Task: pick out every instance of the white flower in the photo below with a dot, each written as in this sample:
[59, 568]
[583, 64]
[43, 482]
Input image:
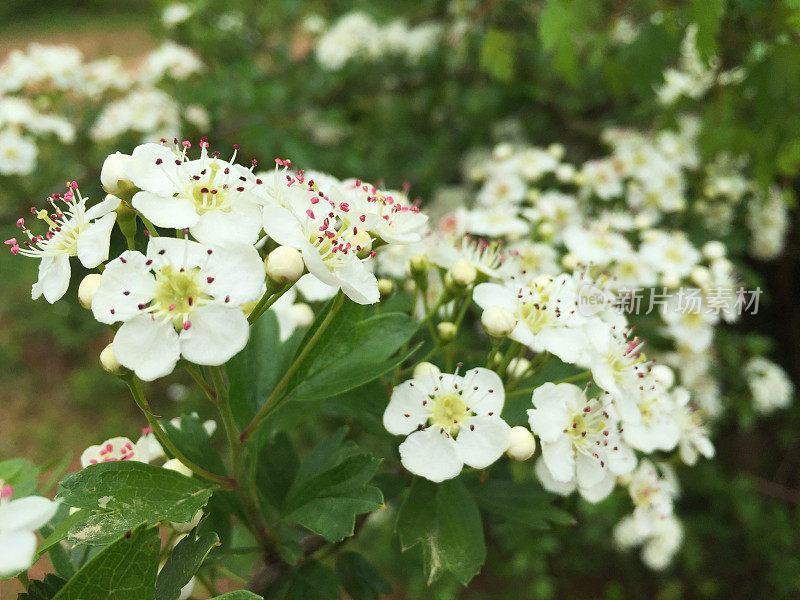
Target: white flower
[496, 221]
[175, 13]
[596, 246]
[579, 435]
[19, 519]
[211, 197]
[76, 231]
[600, 176]
[17, 154]
[657, 428]
[114, 449]
[332, 249]
[659, 546]
[169, 60]
[505, 190]
[182, 299]
[693, 432]
[669, 252]
[486, 257]
[771, 387]
[528, 260]
[593, 494]
[689, 320]
[450, 421]
[546, 314]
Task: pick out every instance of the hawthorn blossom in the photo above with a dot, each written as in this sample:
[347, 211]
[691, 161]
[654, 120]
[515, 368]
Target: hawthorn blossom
[72, 231]
[450, 421]
[19, 519]
[486, 257]
[657, 429]
[180, 300]
[114, 449]
[579, 435]
[693, 431]
[771, 387]
[211, 197]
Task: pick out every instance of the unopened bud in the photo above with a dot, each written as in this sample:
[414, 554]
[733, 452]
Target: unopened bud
[173, 464]
[385, 287]
[447, 331]
[565, 173]
[303, 315]
[518, 367]
[570, 262]
[663, 374]
[418, 264]
[498, 322]
[284, 265]
[87, 289]
[713, 250]
[113, 176]
[426, 368]
[521, 443]
[503, 151]
[546, 230]
[556, 151]
[109, 361]
[670, 280]
[701, 276]
[462, 273]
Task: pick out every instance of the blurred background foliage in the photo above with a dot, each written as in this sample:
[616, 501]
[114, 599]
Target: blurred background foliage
[509, 70]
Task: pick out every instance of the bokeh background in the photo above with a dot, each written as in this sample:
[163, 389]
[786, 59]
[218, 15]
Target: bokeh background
[557, 71]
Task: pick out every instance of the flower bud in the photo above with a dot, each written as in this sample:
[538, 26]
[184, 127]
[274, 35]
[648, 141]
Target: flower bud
[426, 368]
[87, 289]
[113, 176]
[569, 261]
[462, 273]
[701, 276]
[418, 264]
[108, 361]
[670, 280]
[284, 265]
[518, 367]
[565, 173]
[498, 322]
[173, 464]
[521, 443]
[546, 230]
[556, 151]
[385, 286]
[503, 151]
[663, 374]
[713, 250]
[447, 331]
[303, 315]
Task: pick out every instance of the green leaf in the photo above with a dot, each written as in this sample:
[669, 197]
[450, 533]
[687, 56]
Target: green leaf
[127, 494]
[44, 589]
[359, 578]
[310, 581]
[61, 530]
[707, 14]
[445, 519]
[20, 474]
[560, 24]
[238, 595]
[497, 55]
[183, 562]
[125, 570]
[526, 504]
[276, 468]
[355, 349]
[332, 487]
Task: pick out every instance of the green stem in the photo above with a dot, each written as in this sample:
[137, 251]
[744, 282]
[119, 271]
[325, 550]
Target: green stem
[150, 229]
[138, 395]
[265, 302]
[510, 354]
[275, 395]
[201, 381]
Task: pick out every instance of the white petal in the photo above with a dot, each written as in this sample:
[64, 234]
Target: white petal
[489, 397]
[53, 279]
[283, 227]
[180, 252]
[238, 273]
[128, 273]
[166, 211]
[565, 342]
[93, 242]
[147, 175]
[17, 550]
[147, 347]
[562, 488]
[26, 514]
[487, 295]
[559, 458]
[101, 209]
[358, 283]
[600, 490]
[315, 290]
[622, 460]
[405, 411]
[431, 455]
[483, 441]
[242, 224]
[550, 417]
[588, 470]
[216, 334]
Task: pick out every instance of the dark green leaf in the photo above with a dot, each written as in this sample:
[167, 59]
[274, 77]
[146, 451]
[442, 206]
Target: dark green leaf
[238, 595]
[526, 504]
[359, 578]
[127, 494]
[44, 589]
[309, 581]
[445, 519]
[497, 55]
[125, 570]
[183, 562]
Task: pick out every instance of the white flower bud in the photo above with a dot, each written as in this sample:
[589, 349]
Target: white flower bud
[87, 289]
[663, 374]
[521, 443]
[285, 265]
[418, 264]
[385, 286]
[713, 250]
[113, 176]
[569, 261]
[670, 279]
[462, 273]
[565, 173]
[701, 276]
[447, 331]
[556, 151]
[426, 368]
[518, 367]
[546, 230]
[109, 361]
[498, 322]
[303, 315]
[173, 464]
[503, 151]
